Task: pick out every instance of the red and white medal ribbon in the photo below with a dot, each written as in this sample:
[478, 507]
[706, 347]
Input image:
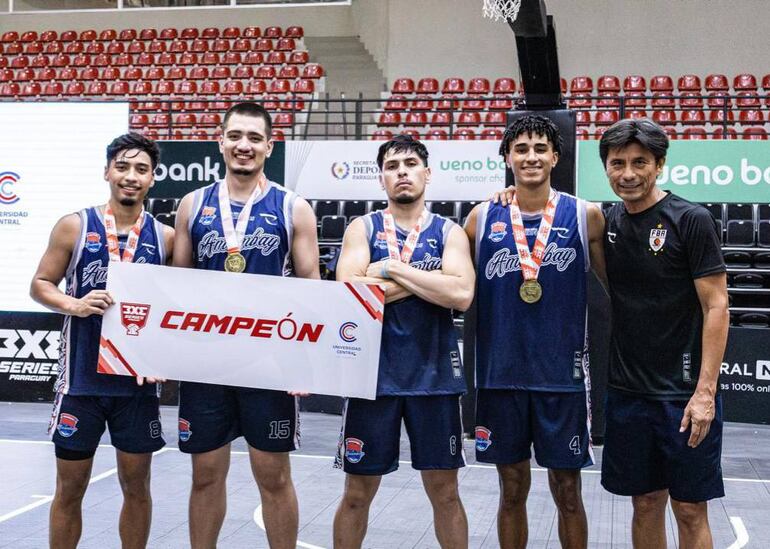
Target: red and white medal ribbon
[234, 235]
[530, 262]
[411, 240]
[111, 229]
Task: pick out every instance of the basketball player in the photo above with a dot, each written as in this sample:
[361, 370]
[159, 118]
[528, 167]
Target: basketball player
[423, 261]
[244, 223]
[80, 249]
[532, 259]
[668, 287]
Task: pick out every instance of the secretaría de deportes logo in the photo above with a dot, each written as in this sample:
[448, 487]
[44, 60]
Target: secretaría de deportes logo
[340, 170]
[356, 170]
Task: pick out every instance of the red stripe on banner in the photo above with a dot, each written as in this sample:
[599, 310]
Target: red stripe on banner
[108, 344]
[375, 314]
[378, 292]
[103, 366]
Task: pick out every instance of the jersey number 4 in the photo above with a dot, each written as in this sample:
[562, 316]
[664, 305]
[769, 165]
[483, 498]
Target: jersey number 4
[574, 445]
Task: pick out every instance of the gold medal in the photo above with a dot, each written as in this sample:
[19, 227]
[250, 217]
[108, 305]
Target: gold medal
[531, 291]
[235, 263]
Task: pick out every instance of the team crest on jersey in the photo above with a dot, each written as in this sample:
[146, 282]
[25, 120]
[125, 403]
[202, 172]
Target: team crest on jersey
[93, 242]
[208, 215]
[67, 425]
[184, 430]
[382, 241]
[657, 238]
[497, 231]
[483, 438]
[354, 450]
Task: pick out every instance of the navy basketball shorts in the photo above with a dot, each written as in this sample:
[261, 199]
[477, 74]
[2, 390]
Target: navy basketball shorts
[645, 452]
[510, 422]
[371, 433]
[133, 422]
[211, 416]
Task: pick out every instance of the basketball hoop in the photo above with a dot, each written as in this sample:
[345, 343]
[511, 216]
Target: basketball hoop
[507, 10]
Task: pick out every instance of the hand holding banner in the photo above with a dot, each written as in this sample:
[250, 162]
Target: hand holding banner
[243, 330]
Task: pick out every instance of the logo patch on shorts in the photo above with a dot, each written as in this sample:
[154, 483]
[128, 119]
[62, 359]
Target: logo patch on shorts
[184, 430]
[67, 425]
[483, 438]
[497, 231]
[354, 450]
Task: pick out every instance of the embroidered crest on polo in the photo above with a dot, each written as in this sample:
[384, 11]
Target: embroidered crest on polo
[657, 238]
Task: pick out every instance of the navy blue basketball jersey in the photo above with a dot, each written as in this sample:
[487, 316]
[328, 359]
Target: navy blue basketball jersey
[419, 354]
[267, 241]
[540, 346]
[87, 271]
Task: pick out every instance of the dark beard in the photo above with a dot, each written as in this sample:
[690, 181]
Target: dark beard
[127, 201]
[242, 171]
[405, 199]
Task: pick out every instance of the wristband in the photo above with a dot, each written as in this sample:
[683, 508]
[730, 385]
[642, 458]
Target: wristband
[384, 272]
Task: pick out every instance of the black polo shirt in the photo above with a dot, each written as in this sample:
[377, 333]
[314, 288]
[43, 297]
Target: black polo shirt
[653, 258]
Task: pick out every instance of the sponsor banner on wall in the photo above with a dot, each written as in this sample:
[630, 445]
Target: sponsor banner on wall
[347, 170]
[701, 171]
[187, 165]
[40, 183]
[245, 330]
[29, 355]
[744, 378]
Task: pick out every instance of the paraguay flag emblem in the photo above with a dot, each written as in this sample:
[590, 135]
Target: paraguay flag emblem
[483, 438]
[354, 450]
[67, 425]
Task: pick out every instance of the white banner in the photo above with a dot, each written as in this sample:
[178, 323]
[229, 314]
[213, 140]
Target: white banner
[347, 170]
[39, 184]
[244, 330]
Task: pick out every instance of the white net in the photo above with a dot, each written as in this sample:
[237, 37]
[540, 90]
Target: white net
[502, 9]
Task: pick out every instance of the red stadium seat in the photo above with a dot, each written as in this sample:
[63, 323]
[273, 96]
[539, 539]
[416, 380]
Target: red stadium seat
[265, 72]
[447, 104]
[221, 72]
[148, 34]
[606, 118]
[755, 133]
[583, 118]
[166, 59]
[382, 135]
[126, 35]
[663, 100]
[720, 116]
[465, 134]
[412, 133]
[3, 62]
[9, 36]
[150, 134]
[209, 87]
[136, 47]
[145, 59]
[283, 120]
[478, 86]
[427, 86]
[188, 58]
[661, 83]
[186, 119]
[273, 32]
[294, 32]
[187, 87]
[745, 82]
[68, 36]
[453, 85]
[500, 105]
[232, 87]
[504, 86]
[695, 133]
[139, 120]
[563, 85]
[49, 36]
[251, 32]
[72, 47]
[155, 73]
[119, 88]
[718, 99]
[717, 82]
[396, 103]
[276, 58]
[115, 47]
[220, 45]
[28, 36]
[110, 74]
[123, 60]
[68, 73]
[209, 58]
[403, 85]
[243, 72]
[422, 103]
[241, 45]
[232, 58]
[101, 60]
[691, 100]
[581, 84]
[441, 119]
[175, 73]
[278, 135]
[142, 87]
[39, 61]
[15, 48]
[580, 101]
[752, 116]
[635, 100]
[256, 87]
[198, 73]
[474, 105]
[25, 75]
[279, 86]
[88, 73]
[689, 83]
[312, 70]
[495, 118]
[286, 44]
[254, 58]
[31, 89]
[178, 46]
[608, 99]
[96, 88]
[199, 46]
[133, 73]
[210, 33]
[416, 119]
[693, 117]
[33, 48]
[231, 32]
[47, 73]
[54, 47]
[436, 134]
[766, 82]
[725, 133]
[581, 134]
[608, 83]
[20, 62]
[165, 87]
[289, 72]
[263, 44]
[107, 35]
[664, 117]
[156, 46]
[9, 89]
[88, 35]
[747, 99]
[161, 120]
[491, 134]
[189, 33]
[210, 119]
[168, 33]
